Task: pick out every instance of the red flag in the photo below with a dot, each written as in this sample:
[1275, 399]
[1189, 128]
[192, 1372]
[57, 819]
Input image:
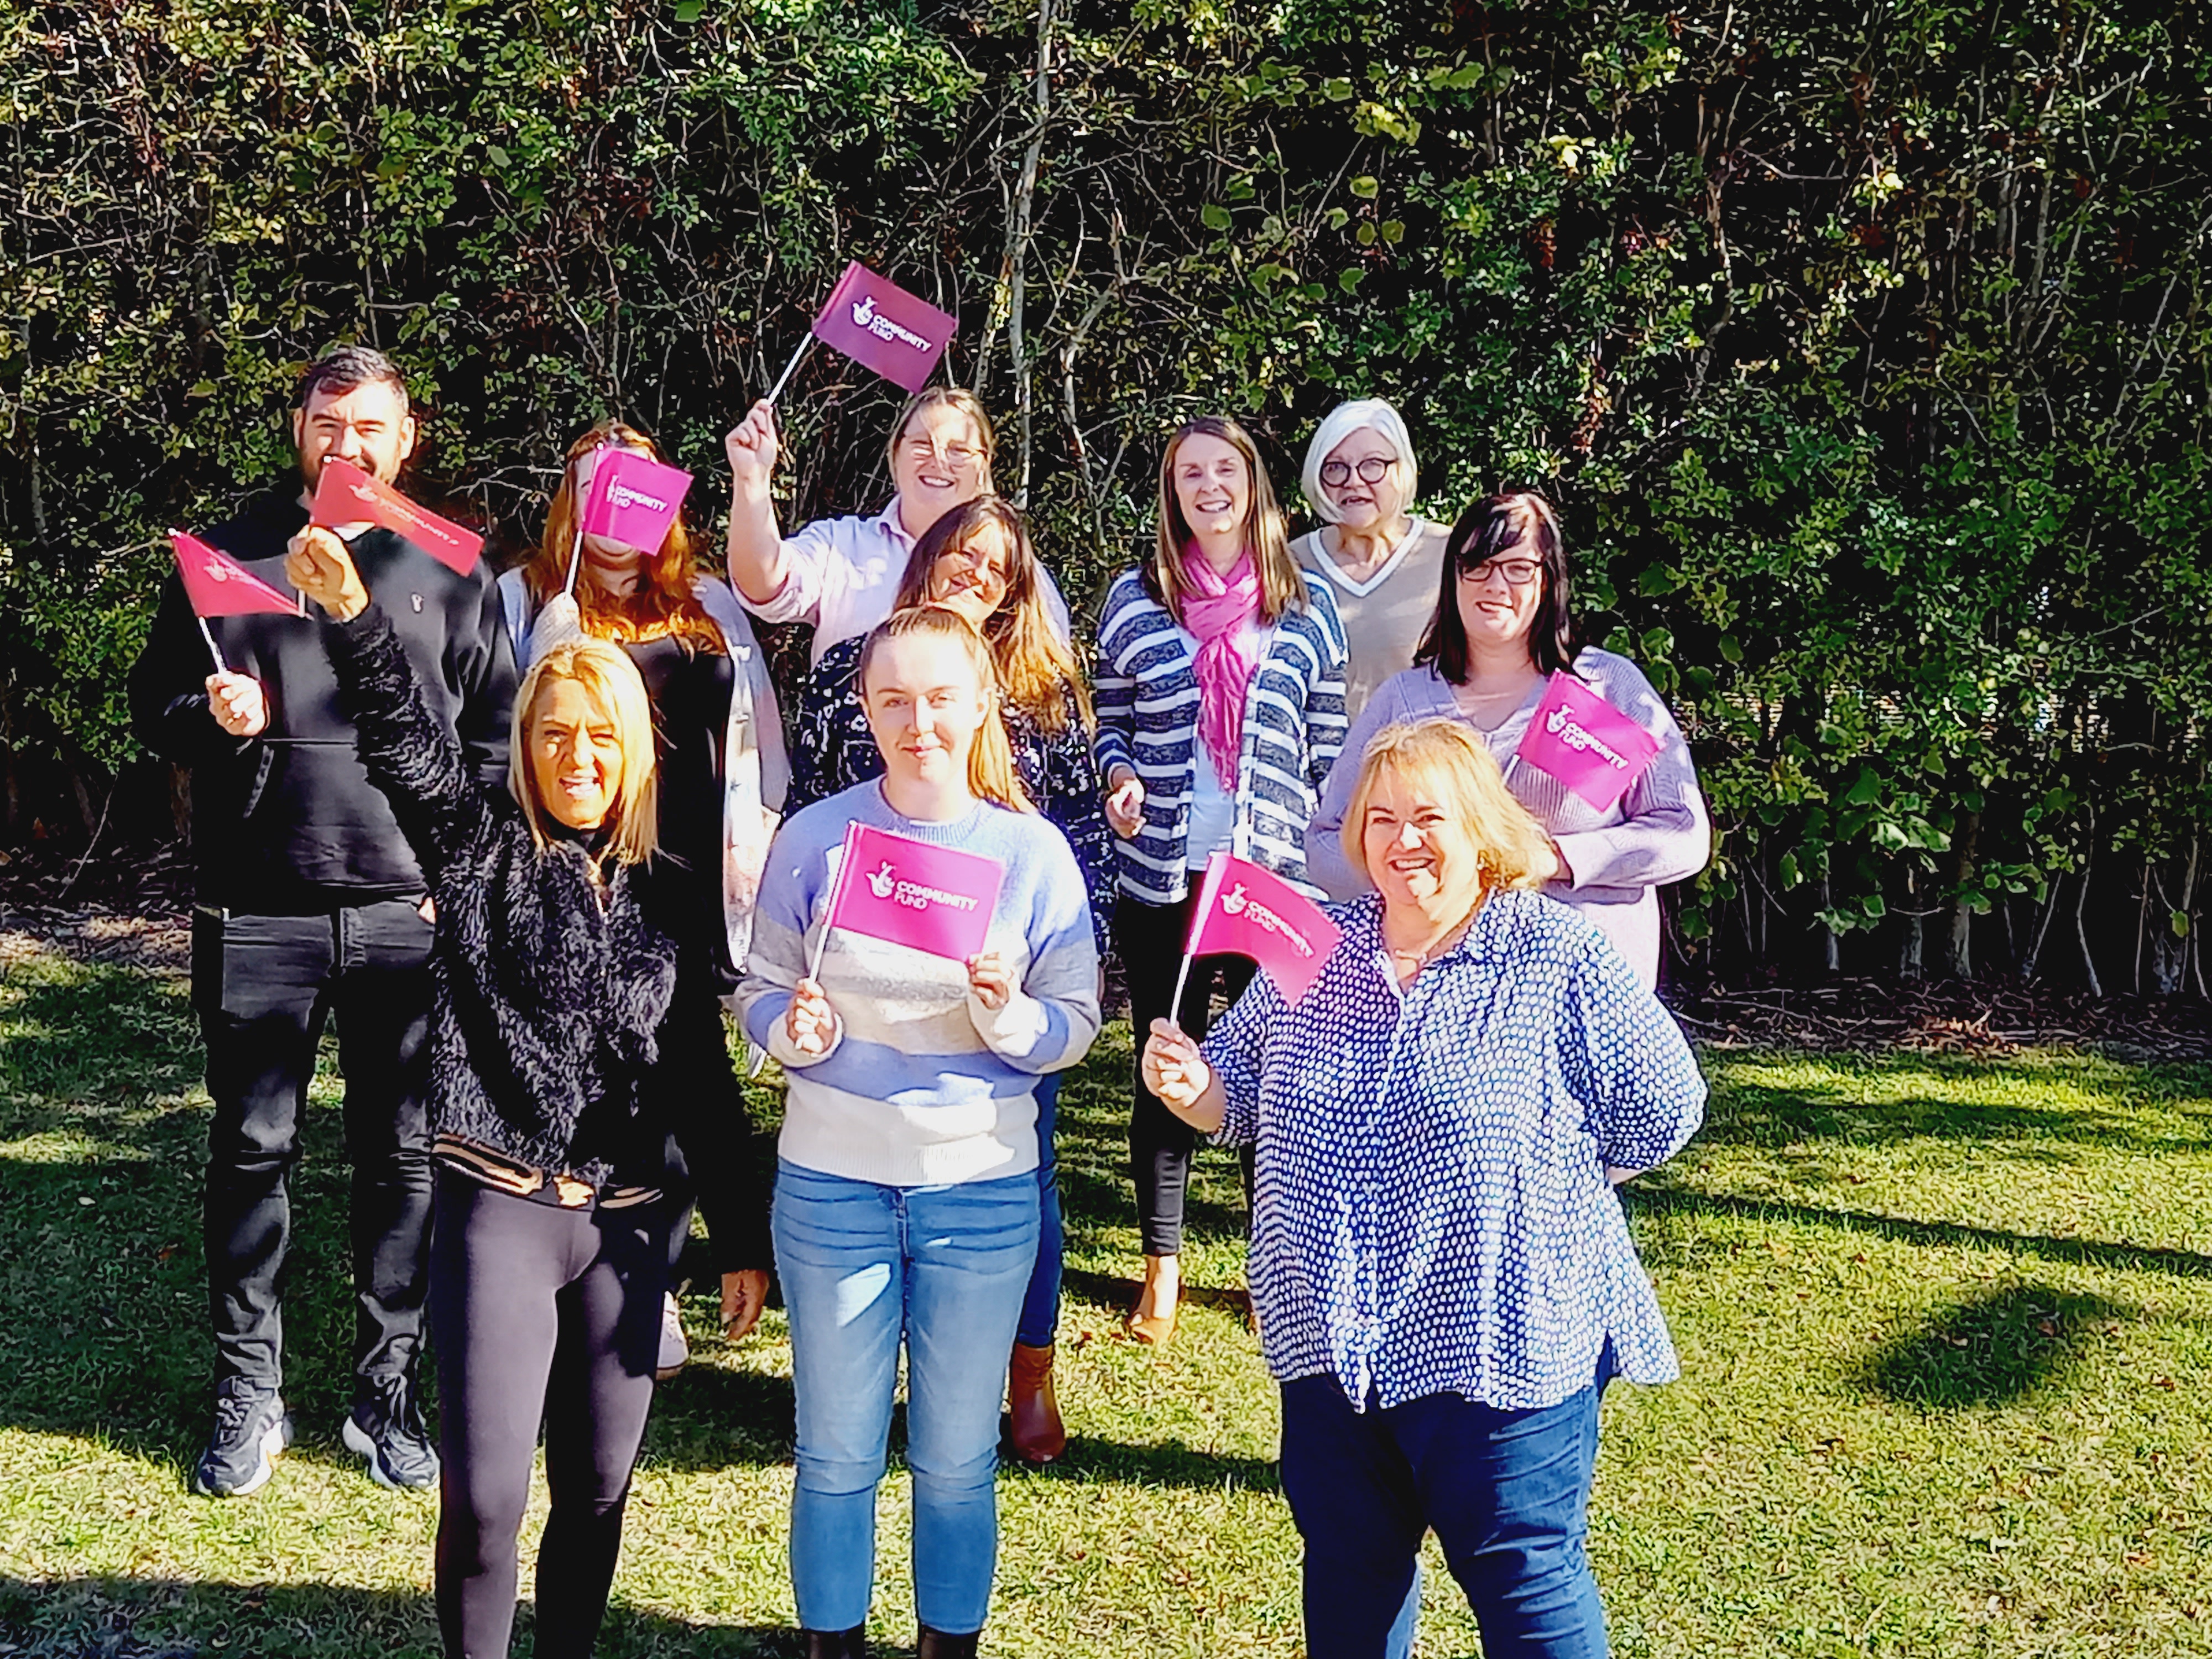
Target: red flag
[1585, 742]
[1262, 916]
[218, 586]
[346, 495]
[914, 892]
[633, 499]
[879, 325]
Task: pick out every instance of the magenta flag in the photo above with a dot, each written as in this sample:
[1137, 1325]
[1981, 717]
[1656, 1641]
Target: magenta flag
[218, 586]
[633, 499]
[1262, 916]
[912, 892]
[1585, 742]
[879, 325]
[346, 495]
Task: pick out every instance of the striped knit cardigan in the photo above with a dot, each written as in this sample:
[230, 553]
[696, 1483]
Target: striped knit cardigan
[1146, 695]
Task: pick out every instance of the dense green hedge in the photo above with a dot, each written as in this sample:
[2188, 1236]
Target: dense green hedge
[1866, 349]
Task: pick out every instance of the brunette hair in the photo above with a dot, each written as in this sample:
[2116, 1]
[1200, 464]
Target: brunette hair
[342, 368]
[664, 603]
[1493, 527]
[1036, 667]
[991, 774]
[1451, 757]
[943, 397]
[610, 680]
[1281, 584]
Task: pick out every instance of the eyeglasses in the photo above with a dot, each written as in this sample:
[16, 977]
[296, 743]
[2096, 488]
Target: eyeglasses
[1335, 474]
[955, 455]
[1518, 573]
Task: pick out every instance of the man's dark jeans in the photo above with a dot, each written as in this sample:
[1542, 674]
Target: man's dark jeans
[263, 986]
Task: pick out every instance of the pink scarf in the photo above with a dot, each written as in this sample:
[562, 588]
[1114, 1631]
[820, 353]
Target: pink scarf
[1215, 614]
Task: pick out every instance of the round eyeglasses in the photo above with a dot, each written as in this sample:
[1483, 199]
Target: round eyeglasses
[1335, 474]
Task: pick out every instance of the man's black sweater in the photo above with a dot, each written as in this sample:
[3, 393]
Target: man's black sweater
[288, 822]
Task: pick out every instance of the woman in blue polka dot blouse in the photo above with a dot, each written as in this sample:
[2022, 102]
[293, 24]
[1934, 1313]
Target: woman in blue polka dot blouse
[1444, 1278]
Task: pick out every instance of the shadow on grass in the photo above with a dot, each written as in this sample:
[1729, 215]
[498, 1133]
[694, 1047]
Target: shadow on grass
[1747, 1111]
[1991, 1349]
[1654, 1200]
[169, 1619]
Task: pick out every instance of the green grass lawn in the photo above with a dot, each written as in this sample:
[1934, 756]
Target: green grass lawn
[1945, 1328]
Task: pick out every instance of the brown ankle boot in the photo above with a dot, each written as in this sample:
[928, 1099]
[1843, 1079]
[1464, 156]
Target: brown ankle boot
[1033, 1406]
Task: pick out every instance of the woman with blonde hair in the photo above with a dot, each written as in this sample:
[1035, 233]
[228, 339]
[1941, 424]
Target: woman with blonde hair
[1502, 626]
[907, 1201]
[1220, 693]
[722, 771]
[560, 1137]
[1446, 1280]
[976, 560]
[841, 575]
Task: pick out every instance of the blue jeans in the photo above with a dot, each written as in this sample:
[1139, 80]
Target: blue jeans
[1040, 1307]
[1507, 1494]
[862, 1266]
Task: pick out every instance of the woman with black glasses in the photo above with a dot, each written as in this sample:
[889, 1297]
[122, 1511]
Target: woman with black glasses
[1377, 559]
[1503, 627]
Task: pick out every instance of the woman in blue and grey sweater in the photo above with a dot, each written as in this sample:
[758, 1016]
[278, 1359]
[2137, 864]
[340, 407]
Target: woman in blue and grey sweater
[1220, 701]
[906, 1201]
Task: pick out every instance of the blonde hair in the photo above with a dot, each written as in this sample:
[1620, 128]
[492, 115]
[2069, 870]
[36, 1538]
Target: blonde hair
[664, 603]
[991, 774]
[1449, 756]
[1036, 666]
[1281, 584]
[943, 397]
[610, 680]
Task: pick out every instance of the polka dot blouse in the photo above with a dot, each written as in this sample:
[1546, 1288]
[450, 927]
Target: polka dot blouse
[1432, 1215]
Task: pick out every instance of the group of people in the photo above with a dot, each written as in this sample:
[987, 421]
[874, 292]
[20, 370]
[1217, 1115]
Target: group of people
[527, 839]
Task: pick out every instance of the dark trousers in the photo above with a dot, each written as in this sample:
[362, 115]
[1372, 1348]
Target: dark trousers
[1149, 938]
[264, 985]
[538, 1313]
[1507, 1494]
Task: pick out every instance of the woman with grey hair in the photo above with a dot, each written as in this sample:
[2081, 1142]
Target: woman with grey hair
[1379, 562]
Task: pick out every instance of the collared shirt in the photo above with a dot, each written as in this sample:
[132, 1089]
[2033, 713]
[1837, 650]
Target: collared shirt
[1432, 1213]
[843, 575]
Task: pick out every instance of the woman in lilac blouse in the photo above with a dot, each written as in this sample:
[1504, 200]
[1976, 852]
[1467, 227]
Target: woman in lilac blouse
[1502, 626]
[1445, 1279]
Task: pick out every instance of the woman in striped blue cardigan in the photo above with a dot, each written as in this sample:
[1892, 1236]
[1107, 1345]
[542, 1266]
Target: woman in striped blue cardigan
[1220, 705]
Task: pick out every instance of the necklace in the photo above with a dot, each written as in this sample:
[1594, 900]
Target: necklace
[1444, 942]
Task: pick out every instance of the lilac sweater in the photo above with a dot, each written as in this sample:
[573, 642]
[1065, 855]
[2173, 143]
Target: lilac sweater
[1656, 833]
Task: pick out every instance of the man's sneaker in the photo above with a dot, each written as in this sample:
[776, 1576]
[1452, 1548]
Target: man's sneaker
[386, 1429]
[252, 1428]
[675, 1350]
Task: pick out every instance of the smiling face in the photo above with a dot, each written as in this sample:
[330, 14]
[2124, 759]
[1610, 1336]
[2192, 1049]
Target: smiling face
[925, 702]
[1361, 504]
[971, 579]
[1418, 853]
[938, 463]
[575, 755]
[368, 425]
[1212, 485]
[1499, 599]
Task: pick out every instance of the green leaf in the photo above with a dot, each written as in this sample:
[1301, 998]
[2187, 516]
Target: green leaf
[1214, 216]
[1364, 186]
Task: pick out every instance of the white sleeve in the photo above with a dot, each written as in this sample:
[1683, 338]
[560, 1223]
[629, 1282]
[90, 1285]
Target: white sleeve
[810, 562]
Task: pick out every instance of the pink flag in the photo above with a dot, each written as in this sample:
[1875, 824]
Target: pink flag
[879, 325]
[218, 586]
[1585, 742]
[1263, 917]
[633, 499]
[912, 892]
[346, 495]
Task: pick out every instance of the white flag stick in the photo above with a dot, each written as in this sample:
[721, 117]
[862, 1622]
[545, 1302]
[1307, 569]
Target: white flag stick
[1182, 978]
[575, 557]
[836, 893]
[213, 650]
[790, 367]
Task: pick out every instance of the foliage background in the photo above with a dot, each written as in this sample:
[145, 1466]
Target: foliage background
[1864, 346]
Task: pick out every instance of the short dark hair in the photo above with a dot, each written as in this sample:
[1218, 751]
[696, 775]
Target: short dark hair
[344, 368]
[1485, 531]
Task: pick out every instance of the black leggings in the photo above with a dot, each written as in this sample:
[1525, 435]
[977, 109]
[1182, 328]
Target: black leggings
[538, 1312]
[1149, 938]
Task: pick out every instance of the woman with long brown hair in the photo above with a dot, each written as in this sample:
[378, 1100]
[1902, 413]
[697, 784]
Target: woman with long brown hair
[1237, 663]
[722, 770]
